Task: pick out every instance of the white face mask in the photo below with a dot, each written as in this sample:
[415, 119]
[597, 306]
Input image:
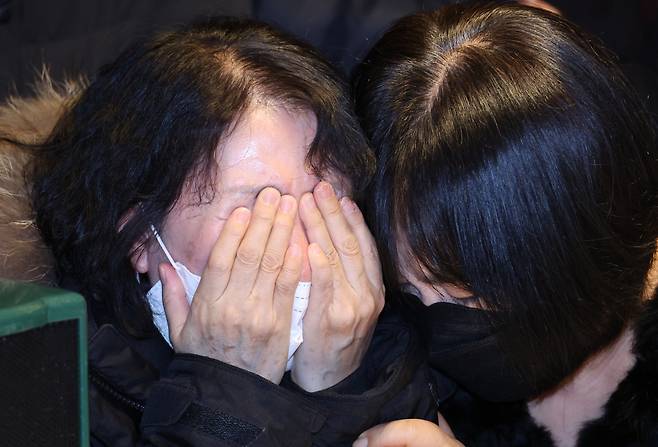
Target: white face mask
[191, 283]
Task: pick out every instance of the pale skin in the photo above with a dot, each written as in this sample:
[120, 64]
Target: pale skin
[271, 224]
[409, 433]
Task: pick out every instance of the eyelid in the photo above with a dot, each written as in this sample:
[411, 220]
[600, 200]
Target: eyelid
[445, 297]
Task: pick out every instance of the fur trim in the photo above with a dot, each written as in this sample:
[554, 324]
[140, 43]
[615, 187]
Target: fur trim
[652, 278]
[631, 414]
[23, 256]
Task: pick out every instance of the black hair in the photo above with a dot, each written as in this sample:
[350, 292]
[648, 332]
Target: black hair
[148, 126]
[515, 161]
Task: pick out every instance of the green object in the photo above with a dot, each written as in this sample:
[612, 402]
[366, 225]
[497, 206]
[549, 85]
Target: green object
[25, 306]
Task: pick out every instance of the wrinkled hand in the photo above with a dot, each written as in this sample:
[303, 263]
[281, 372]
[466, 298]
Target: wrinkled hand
[408, 433]
[347, 292]
[241, 311]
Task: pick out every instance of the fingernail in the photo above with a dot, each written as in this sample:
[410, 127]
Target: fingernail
[287, 203]
[325, 190]
[348, 205]
[241, 214]
[307, 200]
[361, 442]
[269, 195]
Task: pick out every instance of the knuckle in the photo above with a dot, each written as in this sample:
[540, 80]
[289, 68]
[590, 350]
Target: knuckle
[322, 281]
[283, 221]
[263, 217]
[333, 209]
[234, 229]
[314, 218]
[230, 314]
[284, 286]
[379, 304]
[259, 332]
[218, 266]
[271, 262]
[261, 326]
[248, 256]
[368, 308]
[357, 217]
[345, 320]
[332, 256]
[350, 246]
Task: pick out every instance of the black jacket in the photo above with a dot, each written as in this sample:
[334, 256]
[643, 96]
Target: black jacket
[630, 418]
[141, 393]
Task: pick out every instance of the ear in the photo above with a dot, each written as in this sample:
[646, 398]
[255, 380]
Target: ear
[139, 255]
[139, 251]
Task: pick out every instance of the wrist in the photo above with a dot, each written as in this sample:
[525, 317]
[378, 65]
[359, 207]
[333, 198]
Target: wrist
[312, 381]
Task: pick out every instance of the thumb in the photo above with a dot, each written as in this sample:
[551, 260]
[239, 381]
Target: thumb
[406, 433]
[174, 300]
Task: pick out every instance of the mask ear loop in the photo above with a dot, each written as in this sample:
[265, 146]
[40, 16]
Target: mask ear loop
[171, 261]
[166, 252]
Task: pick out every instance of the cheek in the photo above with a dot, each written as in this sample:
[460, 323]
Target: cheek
[190, 235]
[198, 248]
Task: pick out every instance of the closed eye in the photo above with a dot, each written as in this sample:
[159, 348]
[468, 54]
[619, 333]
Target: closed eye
[438, 294]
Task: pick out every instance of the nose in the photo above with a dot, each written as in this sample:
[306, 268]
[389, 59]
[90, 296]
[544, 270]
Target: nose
[299, 237]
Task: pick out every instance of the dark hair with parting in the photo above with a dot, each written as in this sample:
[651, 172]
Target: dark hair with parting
[514, 161]
[148, 126]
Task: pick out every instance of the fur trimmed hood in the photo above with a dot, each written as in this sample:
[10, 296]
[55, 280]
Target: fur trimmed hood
[28, 120]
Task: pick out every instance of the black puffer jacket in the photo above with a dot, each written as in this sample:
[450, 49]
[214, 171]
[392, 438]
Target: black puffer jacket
[141, 393]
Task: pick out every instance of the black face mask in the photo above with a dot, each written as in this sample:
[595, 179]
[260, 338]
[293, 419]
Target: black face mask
[462, 344]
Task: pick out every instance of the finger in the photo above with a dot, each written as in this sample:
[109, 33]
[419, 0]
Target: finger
[322, 281]
[286, 284]
[251, 249]
[371, 262]
[342, 236]
[277, 244]
[316, 232]
[174, 301]
[406, 433]
[217, 273]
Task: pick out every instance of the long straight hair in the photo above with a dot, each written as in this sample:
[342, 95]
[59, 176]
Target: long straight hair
[515, 161]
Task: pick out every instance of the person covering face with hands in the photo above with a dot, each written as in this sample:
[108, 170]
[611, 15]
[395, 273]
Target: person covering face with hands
[254, 244]
[218, 163]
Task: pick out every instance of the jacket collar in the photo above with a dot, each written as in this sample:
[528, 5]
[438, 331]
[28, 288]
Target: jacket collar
[128, 363]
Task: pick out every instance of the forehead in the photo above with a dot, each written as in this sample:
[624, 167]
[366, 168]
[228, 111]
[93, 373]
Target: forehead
[267, 143]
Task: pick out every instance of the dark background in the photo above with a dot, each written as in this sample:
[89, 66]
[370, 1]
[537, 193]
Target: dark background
[74, 37]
